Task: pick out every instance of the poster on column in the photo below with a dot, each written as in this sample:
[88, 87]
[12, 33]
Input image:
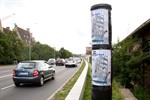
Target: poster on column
[101, 67]
[100, 28]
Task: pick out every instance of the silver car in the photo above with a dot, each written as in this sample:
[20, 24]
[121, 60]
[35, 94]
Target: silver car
[71, 63]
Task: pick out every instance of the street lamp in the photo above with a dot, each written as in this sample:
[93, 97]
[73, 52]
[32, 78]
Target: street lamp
[29, 46]
[54, 51]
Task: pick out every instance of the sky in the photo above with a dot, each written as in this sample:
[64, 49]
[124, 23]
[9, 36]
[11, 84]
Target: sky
[67, 23]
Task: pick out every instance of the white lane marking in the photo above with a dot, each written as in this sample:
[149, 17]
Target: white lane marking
[5, 76]
[7, 87]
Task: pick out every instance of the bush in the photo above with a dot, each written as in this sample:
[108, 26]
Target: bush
[140, 93]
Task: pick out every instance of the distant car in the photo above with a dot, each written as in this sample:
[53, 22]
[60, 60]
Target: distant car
[71, 63]
[51, 61]
[34, 71]
[79, 60]
[60, 62]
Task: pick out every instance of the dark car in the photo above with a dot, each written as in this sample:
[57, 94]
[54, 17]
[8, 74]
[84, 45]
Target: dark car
[60, 62]
[34, 71]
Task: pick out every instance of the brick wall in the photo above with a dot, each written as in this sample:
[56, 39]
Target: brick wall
[147, 77]
[147, 69]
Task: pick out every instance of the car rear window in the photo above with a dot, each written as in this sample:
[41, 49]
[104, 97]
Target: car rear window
[26, 65]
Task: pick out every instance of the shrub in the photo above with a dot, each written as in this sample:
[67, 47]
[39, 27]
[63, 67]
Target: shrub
[140, 93]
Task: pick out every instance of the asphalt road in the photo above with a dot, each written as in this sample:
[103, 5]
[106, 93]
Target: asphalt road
[8, 91]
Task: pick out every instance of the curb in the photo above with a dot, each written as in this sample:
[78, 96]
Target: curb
[76, 93]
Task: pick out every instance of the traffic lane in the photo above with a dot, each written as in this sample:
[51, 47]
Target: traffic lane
[6, 81]
[6, 75]
[6, 78]
[6, 70]
[33, 92]
[7, 67]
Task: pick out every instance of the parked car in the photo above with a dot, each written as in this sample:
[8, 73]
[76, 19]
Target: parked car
[33, 71]
[51, 61]
[60, 62]
[71, 63]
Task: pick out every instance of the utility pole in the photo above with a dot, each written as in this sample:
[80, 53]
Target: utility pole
[54, 52]
[30, 42]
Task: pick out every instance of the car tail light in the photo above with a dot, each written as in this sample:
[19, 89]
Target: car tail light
[14, 72]
[36, 73]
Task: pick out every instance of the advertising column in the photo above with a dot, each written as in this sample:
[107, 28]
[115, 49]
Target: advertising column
[101, 52]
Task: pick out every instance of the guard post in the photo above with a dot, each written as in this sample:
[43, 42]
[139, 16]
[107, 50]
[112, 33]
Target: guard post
[101, 52]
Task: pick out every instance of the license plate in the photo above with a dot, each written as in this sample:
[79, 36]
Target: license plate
[23, 73]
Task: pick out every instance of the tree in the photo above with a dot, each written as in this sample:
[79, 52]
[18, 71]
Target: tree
[128, 58]
[64, 53]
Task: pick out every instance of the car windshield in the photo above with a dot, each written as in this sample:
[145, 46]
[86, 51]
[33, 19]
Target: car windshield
[70, 60]
[26, 65]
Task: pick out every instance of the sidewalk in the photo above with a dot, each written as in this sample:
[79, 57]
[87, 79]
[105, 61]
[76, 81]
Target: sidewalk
[127, 94]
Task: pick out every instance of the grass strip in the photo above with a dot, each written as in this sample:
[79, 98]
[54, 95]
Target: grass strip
[116, 93]
[63, 92]
[87, 92]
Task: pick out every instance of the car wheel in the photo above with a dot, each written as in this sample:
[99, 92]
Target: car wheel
[41, 81]
[17, 84]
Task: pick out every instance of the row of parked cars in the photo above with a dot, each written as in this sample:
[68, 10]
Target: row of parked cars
[70, 62]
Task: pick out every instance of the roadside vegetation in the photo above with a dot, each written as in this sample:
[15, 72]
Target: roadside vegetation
[128, 60]
[62, 94]
[116, 94]
[88, 87]
[12, 47]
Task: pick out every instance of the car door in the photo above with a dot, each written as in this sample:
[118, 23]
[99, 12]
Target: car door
[48, 70]
[43, 69]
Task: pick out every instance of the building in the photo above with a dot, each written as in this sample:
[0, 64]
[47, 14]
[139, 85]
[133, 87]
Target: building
[6, 30]
[143, 32]
[88, 50]
[25, 35]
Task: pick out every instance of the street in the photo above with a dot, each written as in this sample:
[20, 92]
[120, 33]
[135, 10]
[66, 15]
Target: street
[8, 91]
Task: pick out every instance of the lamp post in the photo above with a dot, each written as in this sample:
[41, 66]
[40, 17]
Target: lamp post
[54, 51]
[29, 46]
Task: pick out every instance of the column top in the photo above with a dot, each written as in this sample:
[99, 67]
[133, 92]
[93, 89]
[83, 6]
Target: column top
[103, 5]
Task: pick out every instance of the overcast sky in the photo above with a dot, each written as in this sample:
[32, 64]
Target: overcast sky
[67, 23]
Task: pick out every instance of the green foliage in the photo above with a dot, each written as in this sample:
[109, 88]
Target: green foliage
[64, 53]
[128, 57]
[88, 87]
[116, 93]
[140, 93]
[12, 47]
